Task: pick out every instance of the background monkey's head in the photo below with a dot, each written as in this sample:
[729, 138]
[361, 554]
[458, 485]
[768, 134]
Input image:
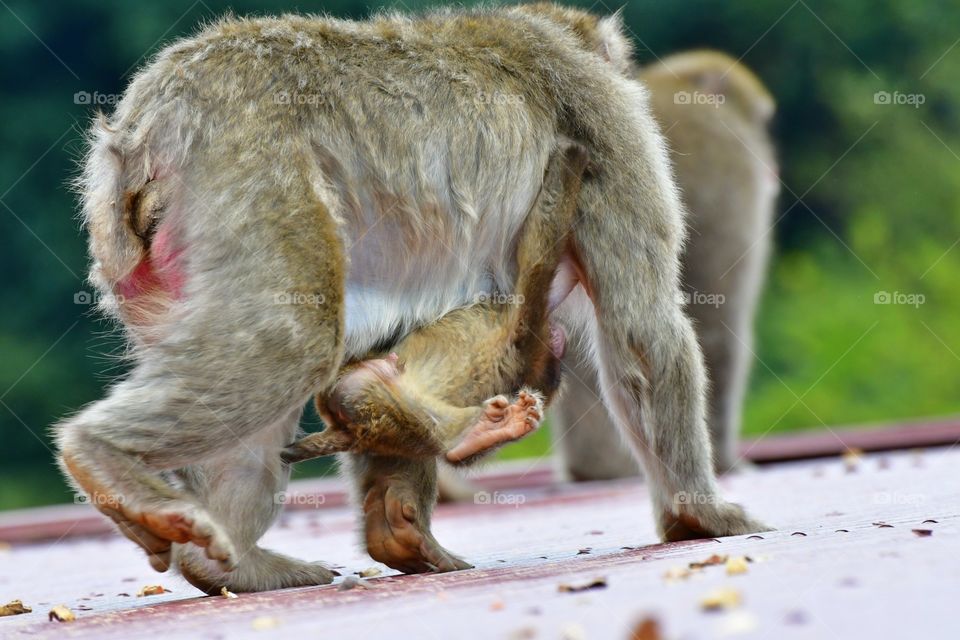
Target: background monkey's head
[603, 35]
[714, 73]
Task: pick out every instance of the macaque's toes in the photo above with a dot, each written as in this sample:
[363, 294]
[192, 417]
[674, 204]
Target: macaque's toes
[499, 425]
[182, 523]
[708, 521]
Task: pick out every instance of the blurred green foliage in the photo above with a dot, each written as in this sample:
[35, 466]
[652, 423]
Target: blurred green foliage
[870, 203]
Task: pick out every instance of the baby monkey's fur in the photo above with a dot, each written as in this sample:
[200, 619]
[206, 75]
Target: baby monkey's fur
[448, 378]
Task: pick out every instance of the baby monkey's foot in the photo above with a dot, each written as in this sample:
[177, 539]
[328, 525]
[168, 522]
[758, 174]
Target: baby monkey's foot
[501, 422]
[397, 533]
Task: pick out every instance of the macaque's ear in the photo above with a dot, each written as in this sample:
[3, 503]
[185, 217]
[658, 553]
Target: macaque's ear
[614, 45]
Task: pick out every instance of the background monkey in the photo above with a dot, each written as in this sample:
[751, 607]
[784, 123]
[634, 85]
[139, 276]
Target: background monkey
[297, 233]
[715, 114]
[419, 400]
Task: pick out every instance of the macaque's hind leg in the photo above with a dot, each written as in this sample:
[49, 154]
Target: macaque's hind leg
[224, 368]
[501, 422]
[651, 369]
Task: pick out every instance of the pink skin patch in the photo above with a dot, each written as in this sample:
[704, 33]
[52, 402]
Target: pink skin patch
[558, 340]
[158, 272]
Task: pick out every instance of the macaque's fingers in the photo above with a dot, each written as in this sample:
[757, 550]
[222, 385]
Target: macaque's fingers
[324, 443]
[498, 425]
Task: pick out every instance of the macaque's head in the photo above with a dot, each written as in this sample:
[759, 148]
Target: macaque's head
[602, 35]
[712, 73]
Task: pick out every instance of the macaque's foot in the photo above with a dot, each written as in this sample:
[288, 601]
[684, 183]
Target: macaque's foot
[258, 569]
[153, 515]
[714, 520]
[397, 535]
[500, 422]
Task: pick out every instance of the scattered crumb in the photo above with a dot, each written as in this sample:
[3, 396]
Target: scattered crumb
[523, 633]
[573, 631]
[737, 623]
[796, 617]
[722, 598]
[851, 459]
[264, 623]
[152, 590]
[369, 572]
[799, 533]
[353, 582]
[497, 605]
[842, 531]
[883, 525]
[677, 573]
[125, 595]
[646, 629]
[736, 565]
[754, 537]
[61, 613]
[584, 551]
[709, 562]
[128, 580]
[596, 532]
[534, 611]
[929, 522]
[596, 583]
[923, 533]
[226, 593]
[14, 608]
[5, 546]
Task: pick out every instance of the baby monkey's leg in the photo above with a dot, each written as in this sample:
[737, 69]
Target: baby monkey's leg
[379, 407]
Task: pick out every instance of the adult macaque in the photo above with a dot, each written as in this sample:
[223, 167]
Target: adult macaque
[715, 114]
[324, 187]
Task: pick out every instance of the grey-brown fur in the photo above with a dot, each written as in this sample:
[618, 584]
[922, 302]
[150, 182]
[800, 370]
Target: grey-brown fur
[310, 230]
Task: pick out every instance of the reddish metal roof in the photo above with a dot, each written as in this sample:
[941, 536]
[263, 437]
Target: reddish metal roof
[834, 569]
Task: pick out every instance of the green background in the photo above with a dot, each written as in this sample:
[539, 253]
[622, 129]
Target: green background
[869, 204]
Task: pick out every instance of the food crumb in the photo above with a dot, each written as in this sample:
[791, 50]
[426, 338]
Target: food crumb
[61, 613]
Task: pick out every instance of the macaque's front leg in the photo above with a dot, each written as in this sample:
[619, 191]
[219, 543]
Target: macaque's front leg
[398, 496]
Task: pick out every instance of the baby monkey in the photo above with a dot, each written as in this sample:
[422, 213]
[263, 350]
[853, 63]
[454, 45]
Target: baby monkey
[440, 390]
